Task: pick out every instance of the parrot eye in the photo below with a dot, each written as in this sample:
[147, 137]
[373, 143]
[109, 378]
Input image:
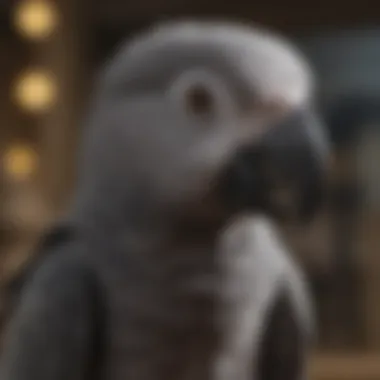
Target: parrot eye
[202, 95]
[199, 101]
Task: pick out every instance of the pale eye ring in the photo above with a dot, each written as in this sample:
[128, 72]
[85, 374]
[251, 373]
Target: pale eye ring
[202, 95]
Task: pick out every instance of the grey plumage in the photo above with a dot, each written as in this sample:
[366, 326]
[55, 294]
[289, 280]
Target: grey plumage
[183, 138]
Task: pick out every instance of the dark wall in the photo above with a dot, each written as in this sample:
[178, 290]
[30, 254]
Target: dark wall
[114, 20]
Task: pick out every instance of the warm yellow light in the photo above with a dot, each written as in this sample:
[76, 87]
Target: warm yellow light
[35, 91]
[20, 162]
[36, 19]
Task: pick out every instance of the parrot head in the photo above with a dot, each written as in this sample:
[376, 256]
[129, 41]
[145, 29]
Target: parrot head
[194, 117]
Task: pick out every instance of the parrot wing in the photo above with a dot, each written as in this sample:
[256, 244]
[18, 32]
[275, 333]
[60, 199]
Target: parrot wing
[59, 315]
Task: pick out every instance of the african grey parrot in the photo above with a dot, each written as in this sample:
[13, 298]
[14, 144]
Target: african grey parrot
[168, 264]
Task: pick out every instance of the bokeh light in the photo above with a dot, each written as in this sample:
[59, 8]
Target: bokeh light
[35, 91]
[36, 19]
[20, 162]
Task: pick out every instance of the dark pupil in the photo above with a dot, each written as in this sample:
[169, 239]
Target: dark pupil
[199, 101]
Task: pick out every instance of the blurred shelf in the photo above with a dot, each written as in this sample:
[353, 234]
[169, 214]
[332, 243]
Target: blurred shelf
[345, 366]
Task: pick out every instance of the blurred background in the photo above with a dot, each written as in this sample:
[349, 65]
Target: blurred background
[49, 54]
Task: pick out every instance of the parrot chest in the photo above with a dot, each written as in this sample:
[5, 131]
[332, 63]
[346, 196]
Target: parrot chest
[161, 319]
[197, 318]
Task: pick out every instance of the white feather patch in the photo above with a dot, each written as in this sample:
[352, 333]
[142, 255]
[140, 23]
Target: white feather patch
[254, 264]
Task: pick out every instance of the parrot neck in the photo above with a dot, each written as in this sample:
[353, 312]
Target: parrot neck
[116, 214]
[105, 215]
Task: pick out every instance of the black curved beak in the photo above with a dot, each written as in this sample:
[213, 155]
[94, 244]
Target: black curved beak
[285, 174]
